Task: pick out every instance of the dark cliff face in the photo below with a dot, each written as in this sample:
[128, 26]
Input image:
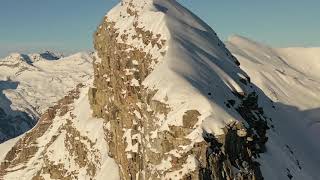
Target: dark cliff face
[233, 156]
[10, 125]
[12, 122]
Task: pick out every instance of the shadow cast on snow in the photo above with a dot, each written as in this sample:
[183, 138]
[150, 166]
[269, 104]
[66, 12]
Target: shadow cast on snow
[291, 127]
[12, 122]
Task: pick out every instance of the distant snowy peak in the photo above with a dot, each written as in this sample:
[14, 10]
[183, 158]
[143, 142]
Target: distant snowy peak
[238, 39]
[16, 58]
[250, 47]
[31, 58]
[47, 55]
[290, 58]
[26, 62]
[18, 63]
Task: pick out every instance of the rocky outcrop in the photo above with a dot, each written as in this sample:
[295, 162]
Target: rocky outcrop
[233, 155]
[126, 105]
[26, 148]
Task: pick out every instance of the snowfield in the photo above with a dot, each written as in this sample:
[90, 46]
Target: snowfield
[290, 78]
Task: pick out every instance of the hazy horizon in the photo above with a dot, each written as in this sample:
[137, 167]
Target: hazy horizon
[67, 26]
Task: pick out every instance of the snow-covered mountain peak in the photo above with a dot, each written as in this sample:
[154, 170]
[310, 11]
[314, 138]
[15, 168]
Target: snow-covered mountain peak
[14, 56]
[17, 57]
[29, 59]
[234, 38]
[251, 47]
[192, 83]
[47, 55]
[168, 101]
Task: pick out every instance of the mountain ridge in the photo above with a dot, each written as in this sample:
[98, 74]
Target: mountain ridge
[189, 117]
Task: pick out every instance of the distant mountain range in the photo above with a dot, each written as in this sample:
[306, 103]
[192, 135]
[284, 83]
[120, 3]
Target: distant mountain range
[30, 84]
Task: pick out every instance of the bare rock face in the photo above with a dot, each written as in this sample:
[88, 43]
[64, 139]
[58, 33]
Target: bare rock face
[132, 116]
[239, 147]
[124, 103]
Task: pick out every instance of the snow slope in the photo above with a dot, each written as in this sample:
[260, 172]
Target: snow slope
[71, 146]
[290, 77]
[195, 59]
[305, 60]
[29, 84]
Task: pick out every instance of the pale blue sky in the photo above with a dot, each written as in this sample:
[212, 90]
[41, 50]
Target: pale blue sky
[67, 25]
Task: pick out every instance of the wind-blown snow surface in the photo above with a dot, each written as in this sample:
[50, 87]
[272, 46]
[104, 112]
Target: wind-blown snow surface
[290, 77]
[196, 63]
[197, 69]
[29, 84]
